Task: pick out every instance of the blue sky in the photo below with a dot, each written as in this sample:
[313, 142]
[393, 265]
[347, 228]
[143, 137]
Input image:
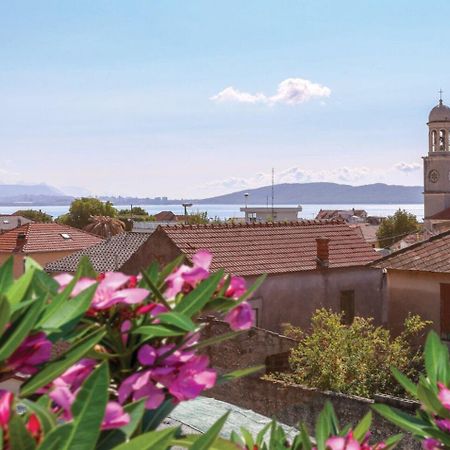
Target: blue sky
[118, 97]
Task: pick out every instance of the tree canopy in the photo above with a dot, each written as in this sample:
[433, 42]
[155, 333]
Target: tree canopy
[35, 215]
[82, 209]
[394, 228]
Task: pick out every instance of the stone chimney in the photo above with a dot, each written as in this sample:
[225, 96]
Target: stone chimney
[21, 240]
[323, 253]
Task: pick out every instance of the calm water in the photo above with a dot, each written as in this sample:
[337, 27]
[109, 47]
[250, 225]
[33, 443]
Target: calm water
[227, 211]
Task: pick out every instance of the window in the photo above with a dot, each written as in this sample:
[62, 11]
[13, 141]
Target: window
[442, 140]
[65, 235]
[6, 222]
[433, 140]
[348, 306]
[445, 311]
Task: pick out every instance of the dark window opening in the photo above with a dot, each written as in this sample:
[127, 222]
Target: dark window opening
[348, 306]
[445, 311]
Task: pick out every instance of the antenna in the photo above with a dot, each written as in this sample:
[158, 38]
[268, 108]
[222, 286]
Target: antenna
[273, 192]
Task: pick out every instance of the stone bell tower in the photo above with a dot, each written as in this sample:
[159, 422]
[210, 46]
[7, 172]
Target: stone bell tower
[436, 166]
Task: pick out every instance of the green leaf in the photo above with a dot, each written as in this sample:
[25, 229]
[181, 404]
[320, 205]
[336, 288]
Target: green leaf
[30, 263]
[21, 329]
[405, 421]
[248, 438]
[322, 429]
[153, 440]
[194, 302]
[55, 368]
[261, 434]
[218, 444]
[177, 320]
[85, 268]
[154, 417]
[152, 331]
[429, 399]
[363, 427]
[435, 356]
[19, 288]
[57, 437]
[239, 374]
[156, 292]
[404, 381]
[45, 417]
[6, 274]
[205, 441]
[19, 436]
[5, 312]
[392, 441]
[167, 270]
[332, 419]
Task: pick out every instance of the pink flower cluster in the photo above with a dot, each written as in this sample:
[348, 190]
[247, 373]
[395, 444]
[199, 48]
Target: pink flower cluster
[113, 288]
[348, 442]
[180, 372]
[64, 389]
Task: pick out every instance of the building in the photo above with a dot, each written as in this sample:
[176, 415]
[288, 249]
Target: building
[256, 214]
[11, 221]
[310, 264]
[106, 256]
[44, 242]
[349, 216]
[436, 166]
[418, 281]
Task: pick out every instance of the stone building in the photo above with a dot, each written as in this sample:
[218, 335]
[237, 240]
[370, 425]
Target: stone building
[310, 264]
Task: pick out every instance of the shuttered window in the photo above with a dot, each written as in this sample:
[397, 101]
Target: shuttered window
[348, 306]
[445, 311]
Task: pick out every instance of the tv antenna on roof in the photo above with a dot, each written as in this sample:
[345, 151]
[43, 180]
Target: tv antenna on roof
[273, 192]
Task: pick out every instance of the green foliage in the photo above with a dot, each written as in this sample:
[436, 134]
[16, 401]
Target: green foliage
[198, 218]
[354, 359]
[394, 228]
[82, 209]
[35, 215]
[135, 211]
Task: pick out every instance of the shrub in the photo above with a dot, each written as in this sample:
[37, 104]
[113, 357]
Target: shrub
[354, 359]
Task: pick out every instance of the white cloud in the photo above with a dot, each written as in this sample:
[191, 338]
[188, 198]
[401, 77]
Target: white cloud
[291, 91]
[408, 167]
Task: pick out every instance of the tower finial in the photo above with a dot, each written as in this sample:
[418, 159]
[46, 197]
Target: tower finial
[440, 96]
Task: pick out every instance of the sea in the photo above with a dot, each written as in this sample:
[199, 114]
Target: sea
[230, 211]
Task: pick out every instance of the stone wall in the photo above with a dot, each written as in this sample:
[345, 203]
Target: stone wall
[288, 403]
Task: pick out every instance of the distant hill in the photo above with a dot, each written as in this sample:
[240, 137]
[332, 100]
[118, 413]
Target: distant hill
[323, 193]
[32, 194]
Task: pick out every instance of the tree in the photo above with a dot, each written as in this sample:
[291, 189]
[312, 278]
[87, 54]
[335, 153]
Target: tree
[198, 218]
[82, 209]
[394, 228]
[135, 211]
[34, 215]
[104, 226]
[353, 359]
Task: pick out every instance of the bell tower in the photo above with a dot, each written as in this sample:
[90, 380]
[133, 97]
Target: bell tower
[436, 166]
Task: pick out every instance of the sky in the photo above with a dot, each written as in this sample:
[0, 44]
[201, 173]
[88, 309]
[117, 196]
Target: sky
[193, 98]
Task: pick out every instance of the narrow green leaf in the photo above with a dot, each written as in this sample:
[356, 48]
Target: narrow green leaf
[305, 438]
[19, 288]
[5, 312]
[6, 274]
[154, 417]
[153, 440]
[19, 436]
[261, 434]
[405, 382]
[177, 320]
[216, 339]
[218, 444]
[392, 441]
[429, 399]
[239, 374]
[205, 441]
[169, 268]
[250, 291]
[21, 329]
[85, 268]
[55, 368]
[152, 331]
[402, 420]
[155, 290]
[432, 354]
[194, 302]
[363, 426]
[248, 438]
[322, 429]
[57, 437]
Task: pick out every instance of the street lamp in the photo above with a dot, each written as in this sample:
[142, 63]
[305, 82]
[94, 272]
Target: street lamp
[186, 206]
[246, 199]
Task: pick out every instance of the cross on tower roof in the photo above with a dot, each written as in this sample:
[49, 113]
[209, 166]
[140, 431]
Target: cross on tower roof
[440, 96]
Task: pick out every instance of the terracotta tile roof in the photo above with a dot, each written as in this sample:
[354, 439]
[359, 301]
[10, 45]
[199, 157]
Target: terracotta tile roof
[442, 215]
[251, 249]
[431, 255]
[165, 216]
[47, 237]
[11, 221]
[108, 255]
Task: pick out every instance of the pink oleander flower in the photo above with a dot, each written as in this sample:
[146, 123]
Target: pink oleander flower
[63, 398]
[74, 377]
[444, 395]
[34, 427]
[113, 288]
[443, 424]
[6, 401]
[431, 444]
[241, 317]
[34, 350]
[236, 288]
[152, 309]
[342, 443]
[115, 417]
[186, 278]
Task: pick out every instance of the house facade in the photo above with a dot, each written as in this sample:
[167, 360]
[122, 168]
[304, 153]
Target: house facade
[309, 265]
[44, 242]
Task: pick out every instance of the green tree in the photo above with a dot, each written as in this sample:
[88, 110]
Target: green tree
[82, 209]
[354, 359]
[198, 218]
[35, 215]
[135, 211]
[394, 228]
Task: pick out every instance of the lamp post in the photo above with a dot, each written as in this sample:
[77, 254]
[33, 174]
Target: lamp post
[186, 206]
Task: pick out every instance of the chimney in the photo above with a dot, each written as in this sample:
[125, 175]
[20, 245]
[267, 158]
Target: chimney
[323, 253]
[21, 240]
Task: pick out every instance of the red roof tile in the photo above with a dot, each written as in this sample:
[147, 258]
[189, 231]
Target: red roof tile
[431, 255]
[442, 215]
[165, 216]
[253, 249]
[47, 237]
